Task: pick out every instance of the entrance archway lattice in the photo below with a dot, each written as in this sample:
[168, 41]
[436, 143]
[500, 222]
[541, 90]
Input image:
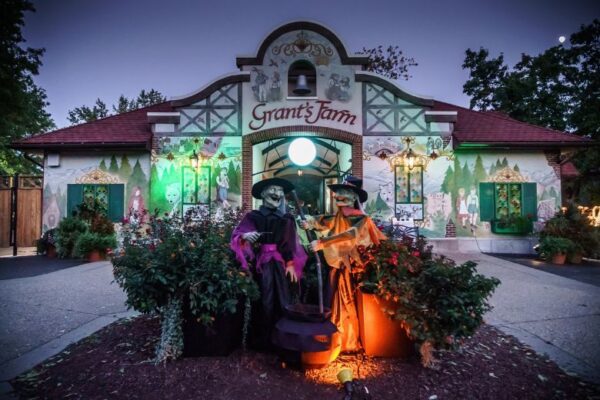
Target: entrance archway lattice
[291, 131]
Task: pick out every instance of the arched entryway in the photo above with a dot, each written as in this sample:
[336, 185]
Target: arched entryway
[251, 139]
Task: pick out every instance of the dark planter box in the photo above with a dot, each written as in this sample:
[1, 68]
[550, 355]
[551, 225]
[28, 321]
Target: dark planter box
[220, 339]
[512, 229]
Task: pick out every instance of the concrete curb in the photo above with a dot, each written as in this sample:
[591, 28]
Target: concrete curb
[17, 366]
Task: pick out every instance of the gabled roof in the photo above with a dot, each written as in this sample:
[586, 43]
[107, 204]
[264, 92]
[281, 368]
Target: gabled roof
[472, 128]
[497, 129]
[127, 130]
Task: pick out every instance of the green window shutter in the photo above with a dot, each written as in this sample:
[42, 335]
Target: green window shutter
[530, 200]
[116, 201]
[486, 201]
[74, 198]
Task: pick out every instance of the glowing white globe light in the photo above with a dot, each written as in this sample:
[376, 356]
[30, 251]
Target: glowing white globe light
[562, 39]
[302, 151]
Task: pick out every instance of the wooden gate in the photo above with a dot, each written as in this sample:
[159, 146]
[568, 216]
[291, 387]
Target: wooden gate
[20, 210]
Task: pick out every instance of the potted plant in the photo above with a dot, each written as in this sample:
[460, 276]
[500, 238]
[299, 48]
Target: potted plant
[93, 245]
[575, 255]
[437, 302]
[67, 232]
[556, 248]
[47, 243]
[184, 270]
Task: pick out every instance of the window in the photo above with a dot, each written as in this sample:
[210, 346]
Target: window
[110, 198]
[500, 202]
[196, 187]
[409, 192]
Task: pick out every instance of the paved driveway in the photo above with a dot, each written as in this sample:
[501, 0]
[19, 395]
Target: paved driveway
[40, 315]
[552, 314]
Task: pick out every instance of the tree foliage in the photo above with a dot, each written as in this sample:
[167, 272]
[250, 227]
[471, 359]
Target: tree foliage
[99, 110]
[389, 62]
[22, 102]
[557, 89]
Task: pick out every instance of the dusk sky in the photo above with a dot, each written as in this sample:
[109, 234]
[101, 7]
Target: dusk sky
[101, 49]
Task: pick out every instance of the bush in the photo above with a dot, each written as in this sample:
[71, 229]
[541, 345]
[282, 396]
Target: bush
[439, 302]
[67, 232]
[90, 241]
[173, 261]
[551, 246]
[573, 225]
[47, 239]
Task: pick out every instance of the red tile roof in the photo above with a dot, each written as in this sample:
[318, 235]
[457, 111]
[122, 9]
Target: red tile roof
[130, 129]
[498, 128]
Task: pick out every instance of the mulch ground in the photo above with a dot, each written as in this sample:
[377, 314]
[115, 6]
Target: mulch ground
[116, 363]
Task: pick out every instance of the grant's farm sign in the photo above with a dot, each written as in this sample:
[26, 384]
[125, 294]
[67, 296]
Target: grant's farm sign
[309, 113]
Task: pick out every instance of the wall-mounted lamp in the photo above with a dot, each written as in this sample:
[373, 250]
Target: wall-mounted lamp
[194, 160]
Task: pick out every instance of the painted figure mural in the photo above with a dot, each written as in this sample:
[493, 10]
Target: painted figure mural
[268, 237]
[136, 206]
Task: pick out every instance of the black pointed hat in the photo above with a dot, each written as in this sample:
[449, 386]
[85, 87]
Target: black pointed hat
[351, 183]
[258, 187]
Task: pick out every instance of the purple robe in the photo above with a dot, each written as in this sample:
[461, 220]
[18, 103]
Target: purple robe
[281, 232]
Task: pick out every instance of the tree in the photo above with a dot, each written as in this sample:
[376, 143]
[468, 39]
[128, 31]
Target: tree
[557, 89]
[125, 170]
[87, 114]
[448, 182]
[479, 174]
[102, 166]
[467, 179]
[114, 166]
[391, 62]
[82, 114]
[22, 102]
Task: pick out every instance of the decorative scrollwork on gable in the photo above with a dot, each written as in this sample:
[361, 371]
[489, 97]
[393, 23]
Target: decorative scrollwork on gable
[506, 175]
[303, 45]
[98, 176]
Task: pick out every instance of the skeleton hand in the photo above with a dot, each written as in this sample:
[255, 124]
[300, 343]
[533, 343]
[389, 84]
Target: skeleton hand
[316, 245]
[291, 271]
[307, 224]
[251, 236]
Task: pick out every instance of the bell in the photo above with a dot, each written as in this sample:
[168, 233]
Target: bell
[301, 86]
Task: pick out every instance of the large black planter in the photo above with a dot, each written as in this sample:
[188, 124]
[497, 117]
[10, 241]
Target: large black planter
[220, 339]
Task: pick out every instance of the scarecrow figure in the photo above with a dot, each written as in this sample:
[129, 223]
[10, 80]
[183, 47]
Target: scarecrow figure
[268, 236]
[349, 228]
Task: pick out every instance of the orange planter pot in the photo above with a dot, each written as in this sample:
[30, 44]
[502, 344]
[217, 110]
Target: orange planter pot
[381, 336]
[95, 256]
[51, 251]
[559, 258]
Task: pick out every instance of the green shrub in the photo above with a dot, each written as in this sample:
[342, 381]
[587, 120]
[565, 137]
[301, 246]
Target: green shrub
[90, 241]
[551, 246]
[172, 262]
[47, 239]
[67, 232]
[439, 302]
[573, 225]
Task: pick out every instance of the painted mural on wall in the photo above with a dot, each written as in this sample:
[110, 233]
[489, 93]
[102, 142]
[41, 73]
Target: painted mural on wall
[215, 182]
[130, 169]
[448, 194]
[334, 104]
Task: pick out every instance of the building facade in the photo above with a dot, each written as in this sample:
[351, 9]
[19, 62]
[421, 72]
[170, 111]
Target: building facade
[463, 177]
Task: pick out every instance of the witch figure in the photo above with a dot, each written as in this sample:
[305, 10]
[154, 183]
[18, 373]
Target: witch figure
[268, 237]
[344, 232]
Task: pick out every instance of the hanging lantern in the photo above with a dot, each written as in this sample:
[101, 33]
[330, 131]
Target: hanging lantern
[410, 159]
[194, 160]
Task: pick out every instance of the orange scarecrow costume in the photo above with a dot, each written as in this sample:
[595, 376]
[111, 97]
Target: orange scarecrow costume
[345, 231]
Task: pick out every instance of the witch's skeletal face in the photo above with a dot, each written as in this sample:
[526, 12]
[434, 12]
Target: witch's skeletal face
[345, 198]
[272, 196]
